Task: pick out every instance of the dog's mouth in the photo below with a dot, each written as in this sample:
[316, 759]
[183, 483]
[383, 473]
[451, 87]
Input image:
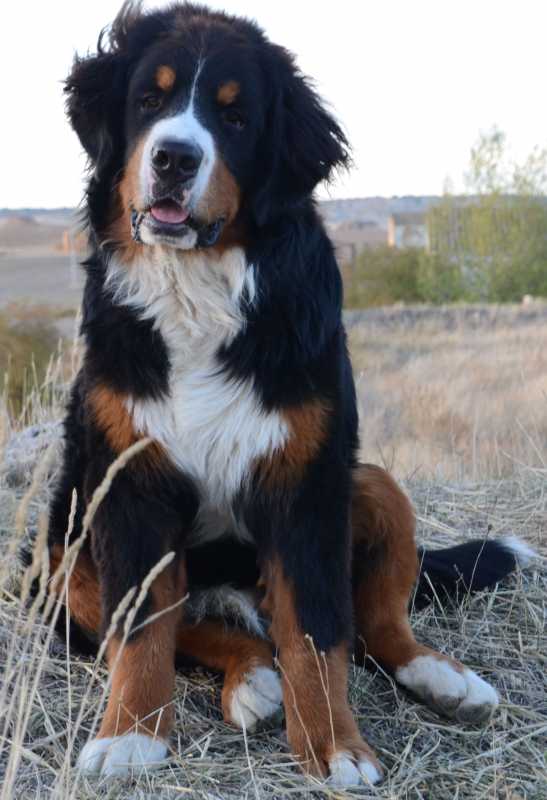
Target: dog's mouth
[169, 212]
[168, 220]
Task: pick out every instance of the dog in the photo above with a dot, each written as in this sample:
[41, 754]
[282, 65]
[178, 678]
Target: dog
[213, 334]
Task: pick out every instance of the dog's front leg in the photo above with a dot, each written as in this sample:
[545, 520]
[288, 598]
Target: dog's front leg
[131, 532]
[306, 570]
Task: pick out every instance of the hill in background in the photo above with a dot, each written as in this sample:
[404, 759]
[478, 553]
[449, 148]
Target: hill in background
[360, 221]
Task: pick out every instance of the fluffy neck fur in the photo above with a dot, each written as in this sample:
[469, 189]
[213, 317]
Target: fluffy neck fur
[192, 298]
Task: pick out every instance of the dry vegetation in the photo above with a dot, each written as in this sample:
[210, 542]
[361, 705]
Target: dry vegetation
[457, 392]
[34, 361]
[490, 479]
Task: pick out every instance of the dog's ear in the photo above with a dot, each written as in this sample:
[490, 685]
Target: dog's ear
[96, 88]
[91, 90]
[302, 143]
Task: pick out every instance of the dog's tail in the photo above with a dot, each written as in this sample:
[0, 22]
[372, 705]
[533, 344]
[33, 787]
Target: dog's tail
[479, 564]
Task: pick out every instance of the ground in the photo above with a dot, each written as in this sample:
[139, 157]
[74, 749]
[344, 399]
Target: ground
[53, 278]
[488, 480]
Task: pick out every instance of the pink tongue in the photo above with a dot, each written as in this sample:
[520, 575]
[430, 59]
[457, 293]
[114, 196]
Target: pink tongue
[169, 212]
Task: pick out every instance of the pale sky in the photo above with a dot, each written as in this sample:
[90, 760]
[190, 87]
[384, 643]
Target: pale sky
[412, 81]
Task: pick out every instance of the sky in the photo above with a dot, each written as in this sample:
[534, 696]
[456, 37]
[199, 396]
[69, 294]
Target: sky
[412, 81]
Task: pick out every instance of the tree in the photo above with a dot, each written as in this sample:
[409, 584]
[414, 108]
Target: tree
[493, 242]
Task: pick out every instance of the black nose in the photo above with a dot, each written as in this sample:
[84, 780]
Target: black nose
[178, 160]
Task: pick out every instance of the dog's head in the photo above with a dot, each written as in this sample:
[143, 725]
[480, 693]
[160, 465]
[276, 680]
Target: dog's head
[196, 125]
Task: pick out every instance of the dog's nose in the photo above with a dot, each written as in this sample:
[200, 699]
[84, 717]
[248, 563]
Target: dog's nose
[176, 159]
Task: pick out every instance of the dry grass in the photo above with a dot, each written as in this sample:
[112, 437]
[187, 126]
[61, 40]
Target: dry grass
[455, 392]
[50, 698]
[36, 362]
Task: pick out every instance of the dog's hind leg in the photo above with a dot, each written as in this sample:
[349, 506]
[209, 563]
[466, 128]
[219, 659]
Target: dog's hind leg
[385, 568]
[252, 690]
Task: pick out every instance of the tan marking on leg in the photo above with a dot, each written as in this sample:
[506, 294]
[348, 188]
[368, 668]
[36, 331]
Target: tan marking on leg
[220, 648]
[165, 78]
[228, 92]
[320, 724]
[383, 519]
[308, 425]
[143, 672]
[84, 596]
[380, 508]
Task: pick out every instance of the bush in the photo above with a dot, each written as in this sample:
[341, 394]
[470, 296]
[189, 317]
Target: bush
[439, 281]
[495, 246]
[487, 246]
[387, 275]
[383, 276]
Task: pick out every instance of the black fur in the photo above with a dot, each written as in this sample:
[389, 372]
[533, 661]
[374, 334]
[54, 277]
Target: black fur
[123, 350]
[293, 347]
[457, 571]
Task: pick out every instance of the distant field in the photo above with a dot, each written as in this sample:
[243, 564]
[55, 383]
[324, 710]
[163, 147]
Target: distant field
[40, 277]
[452, 393]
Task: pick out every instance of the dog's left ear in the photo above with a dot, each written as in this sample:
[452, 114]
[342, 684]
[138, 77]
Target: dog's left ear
[302, 142]
[91, 104]
[96, 88]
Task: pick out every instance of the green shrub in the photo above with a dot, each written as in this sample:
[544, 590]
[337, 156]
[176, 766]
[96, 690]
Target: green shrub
[439, 281]
[383, 276]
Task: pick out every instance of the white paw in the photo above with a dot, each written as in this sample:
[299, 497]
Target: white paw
[457, 694]
[434, 680]
[481, 699]
[257, 697]
[120, 755]
[346, 771]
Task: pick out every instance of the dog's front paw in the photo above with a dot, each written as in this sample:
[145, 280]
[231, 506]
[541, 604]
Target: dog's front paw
[356, 768]
[121, 755]
[345, 763]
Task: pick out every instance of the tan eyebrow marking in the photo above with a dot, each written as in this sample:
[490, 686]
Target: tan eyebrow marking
[228, 92]
[165, 78]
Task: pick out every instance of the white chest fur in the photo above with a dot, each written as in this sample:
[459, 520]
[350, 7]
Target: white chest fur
[212, 427]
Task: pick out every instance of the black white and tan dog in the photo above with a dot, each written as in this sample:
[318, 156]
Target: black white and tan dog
[212, 325]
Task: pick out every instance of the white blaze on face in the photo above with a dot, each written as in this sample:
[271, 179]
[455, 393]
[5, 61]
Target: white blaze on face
[182, 127]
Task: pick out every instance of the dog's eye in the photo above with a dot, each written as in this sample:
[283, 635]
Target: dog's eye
[150, 102]
[234, 118]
